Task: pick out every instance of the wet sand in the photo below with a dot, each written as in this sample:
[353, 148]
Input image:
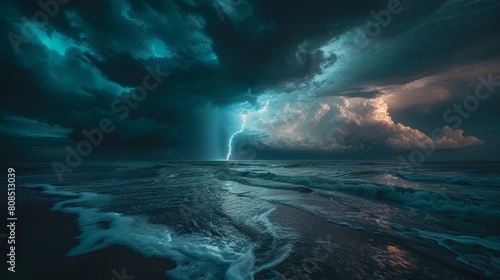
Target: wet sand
[43, 237]
[331, 250]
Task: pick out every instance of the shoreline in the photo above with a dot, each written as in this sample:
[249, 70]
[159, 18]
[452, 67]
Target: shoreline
[327, 243]
[44, 237]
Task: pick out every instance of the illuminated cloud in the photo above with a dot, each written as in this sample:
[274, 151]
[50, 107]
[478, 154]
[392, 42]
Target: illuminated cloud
[346, 123]
[454, 139]
[296, 69]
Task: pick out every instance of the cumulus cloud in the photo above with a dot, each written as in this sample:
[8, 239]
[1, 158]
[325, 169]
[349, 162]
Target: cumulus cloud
[344, 124]
[454, 139]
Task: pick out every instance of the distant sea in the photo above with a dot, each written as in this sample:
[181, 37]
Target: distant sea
[277, 219]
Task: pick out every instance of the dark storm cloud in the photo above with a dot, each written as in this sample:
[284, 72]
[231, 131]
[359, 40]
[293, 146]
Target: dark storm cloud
[91, 53]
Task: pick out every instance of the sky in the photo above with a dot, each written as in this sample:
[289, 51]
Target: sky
[242, 79]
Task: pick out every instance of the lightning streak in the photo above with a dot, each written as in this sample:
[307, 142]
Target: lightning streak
[244, 117]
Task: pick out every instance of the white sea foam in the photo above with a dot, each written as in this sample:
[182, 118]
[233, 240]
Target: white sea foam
[474, 251]
[476, 181]
[196, 256]
[483, 212]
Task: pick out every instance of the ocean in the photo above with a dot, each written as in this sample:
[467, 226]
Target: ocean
[282, 219]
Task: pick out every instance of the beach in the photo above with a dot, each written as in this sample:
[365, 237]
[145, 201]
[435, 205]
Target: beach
[44, 237]
[257, 220]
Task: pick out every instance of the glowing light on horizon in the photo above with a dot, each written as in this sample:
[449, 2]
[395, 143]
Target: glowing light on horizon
[244, 117]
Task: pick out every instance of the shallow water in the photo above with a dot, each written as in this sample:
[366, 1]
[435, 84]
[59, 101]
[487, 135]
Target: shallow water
[291, 220]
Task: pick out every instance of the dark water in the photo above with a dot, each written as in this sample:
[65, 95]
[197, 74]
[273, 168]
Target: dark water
[291, 220]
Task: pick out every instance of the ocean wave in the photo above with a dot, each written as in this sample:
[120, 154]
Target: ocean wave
[197, 256]
[475, 181]
[466, 248]
[482, 212]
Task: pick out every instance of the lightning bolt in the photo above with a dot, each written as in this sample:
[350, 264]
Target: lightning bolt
[244, 117]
